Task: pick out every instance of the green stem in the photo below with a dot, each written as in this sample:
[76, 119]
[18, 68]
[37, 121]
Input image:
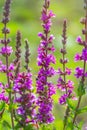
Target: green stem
[79, 101]
[8, 80]
[66, 117]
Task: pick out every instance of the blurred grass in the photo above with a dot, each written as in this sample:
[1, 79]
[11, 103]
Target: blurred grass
[25, 16]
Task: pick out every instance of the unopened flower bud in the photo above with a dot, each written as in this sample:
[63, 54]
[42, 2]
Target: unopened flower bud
[63, 51]
[82, 20]
[84, 31]
[5, 30]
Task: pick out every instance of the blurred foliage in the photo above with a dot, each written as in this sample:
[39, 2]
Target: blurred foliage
[25, 16]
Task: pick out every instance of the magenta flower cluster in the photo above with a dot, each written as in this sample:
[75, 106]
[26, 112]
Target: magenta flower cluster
[25, 98]
[45, 88]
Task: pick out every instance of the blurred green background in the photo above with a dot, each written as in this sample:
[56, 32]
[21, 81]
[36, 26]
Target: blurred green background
[25, 16]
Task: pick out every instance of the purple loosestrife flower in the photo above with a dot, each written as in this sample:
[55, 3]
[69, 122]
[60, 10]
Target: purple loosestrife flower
[45, 88]
[23, 89]
[3, 96]
[79, 39]
[6, 50]
[25, 99]
[64, 85]
[81, 72]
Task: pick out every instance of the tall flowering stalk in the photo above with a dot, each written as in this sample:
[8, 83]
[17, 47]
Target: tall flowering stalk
[65, 86]
[17, 60]
[25, 99]
[81, 73]
[45, 88]
[6, 51]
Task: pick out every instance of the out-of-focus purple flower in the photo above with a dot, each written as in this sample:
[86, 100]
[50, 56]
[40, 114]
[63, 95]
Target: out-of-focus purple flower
[46, 16]
[6, 50]
[78, 57]
[3, 68]
[3, 97]
[70, 84]
[51, 38]
[45, 115]
[79, 39]
[40, 34]
[51, 89]
[23, 82]
[84, 54]
[62, 99]
[45, 58]
[20, 111]
[79, 72]
[51, 14]
[11, 67]
[68, 71]
[25, 100]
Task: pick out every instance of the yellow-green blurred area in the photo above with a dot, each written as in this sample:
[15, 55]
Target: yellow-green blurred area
[25, 16]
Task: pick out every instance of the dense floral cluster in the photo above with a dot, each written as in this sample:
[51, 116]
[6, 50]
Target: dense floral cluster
[64, 85]
[45, 88]
[25, 98]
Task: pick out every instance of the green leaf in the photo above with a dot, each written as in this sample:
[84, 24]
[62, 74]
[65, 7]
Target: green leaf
[12, 106]
[17, 126]
[81, 89]
[71, 104]
[70, 126]
[2, 106]
[80, 125]
[82, 110]
[6, 124]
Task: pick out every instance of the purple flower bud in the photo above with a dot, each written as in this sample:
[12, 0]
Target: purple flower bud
[40, 34]
[84, 54]
[51, 14]
[68, 71]
[77, 57]
[79, 39]
[11, 67]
